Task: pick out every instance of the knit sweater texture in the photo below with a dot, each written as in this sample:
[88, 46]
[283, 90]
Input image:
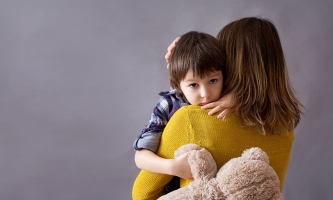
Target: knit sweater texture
[225, 139]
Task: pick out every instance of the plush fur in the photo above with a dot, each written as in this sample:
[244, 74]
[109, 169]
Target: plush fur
[246, 177]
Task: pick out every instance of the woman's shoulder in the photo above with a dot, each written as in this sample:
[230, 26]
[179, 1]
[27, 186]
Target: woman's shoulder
[194, 114]
[191, 107]
[198, 110]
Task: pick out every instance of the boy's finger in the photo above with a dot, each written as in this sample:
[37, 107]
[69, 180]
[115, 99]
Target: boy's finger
[170, 49]
[210, 105]
[223, 114]
[176, 40]
[167, 56]
[173, 44]
[215, 110]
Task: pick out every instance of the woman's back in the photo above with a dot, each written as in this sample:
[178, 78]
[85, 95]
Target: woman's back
[225, 139]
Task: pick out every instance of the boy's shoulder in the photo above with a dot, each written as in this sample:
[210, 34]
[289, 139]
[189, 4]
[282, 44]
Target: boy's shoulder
[172, 99]
[171, 92]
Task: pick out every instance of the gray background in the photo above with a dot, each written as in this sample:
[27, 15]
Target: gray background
[79, 79]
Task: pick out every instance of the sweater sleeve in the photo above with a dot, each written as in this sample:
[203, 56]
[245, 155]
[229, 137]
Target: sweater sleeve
[150, 185]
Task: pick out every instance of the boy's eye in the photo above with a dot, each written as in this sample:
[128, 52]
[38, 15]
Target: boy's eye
[213, 81]
[193, 85]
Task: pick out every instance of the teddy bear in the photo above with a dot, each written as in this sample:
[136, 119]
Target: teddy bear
[246, 177]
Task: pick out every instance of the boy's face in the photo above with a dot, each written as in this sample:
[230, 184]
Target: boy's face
[200, 91]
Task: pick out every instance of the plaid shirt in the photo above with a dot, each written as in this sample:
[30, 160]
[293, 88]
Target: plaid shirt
[168, 104]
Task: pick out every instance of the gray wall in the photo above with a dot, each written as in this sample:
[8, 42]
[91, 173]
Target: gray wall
[79, 78]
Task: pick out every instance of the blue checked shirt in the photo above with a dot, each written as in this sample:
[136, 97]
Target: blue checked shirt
[168, 104]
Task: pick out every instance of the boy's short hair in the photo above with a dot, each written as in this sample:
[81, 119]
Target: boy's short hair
[199, 52]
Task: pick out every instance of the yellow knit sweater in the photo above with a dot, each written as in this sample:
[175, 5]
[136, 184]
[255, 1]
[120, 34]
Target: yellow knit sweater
[225, 139]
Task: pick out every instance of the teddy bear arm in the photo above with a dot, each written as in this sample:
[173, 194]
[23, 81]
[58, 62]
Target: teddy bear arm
[202, 163]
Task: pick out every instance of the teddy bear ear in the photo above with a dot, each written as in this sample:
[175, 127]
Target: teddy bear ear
[186, 148]
[255, 153]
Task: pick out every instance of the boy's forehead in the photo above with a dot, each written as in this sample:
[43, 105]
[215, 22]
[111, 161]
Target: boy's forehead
[190, 75]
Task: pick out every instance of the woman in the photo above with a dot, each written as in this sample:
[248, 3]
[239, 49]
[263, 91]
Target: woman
[264, 110]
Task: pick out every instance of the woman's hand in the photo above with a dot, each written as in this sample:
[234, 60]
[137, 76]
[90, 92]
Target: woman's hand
[223, 106]
[170, 49]
[181, 167]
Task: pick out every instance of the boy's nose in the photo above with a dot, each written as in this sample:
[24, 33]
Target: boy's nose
[205, 93]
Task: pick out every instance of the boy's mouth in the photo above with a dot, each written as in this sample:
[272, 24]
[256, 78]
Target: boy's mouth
[204, 103]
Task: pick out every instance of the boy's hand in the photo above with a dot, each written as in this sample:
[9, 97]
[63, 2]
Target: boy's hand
[223, 106]
[170, 49]
[181, 167]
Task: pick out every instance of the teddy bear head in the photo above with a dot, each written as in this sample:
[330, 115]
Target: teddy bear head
[249, 177]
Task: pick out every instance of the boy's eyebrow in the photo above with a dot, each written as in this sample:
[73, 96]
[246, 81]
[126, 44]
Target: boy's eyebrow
[190, 79]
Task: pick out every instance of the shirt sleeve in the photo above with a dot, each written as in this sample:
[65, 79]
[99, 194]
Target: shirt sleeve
[150, 185]
[151, 134]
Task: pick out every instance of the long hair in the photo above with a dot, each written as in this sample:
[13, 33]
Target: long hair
[257, 75]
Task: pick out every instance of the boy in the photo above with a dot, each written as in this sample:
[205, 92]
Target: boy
[196, 70]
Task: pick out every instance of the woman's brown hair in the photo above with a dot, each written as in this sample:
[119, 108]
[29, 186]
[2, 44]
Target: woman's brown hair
[199, 52]
[257, 75]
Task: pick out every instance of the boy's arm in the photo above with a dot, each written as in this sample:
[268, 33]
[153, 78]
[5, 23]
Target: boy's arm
[150, 185]
[149, 161]
[148, 141]
[151, 134]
